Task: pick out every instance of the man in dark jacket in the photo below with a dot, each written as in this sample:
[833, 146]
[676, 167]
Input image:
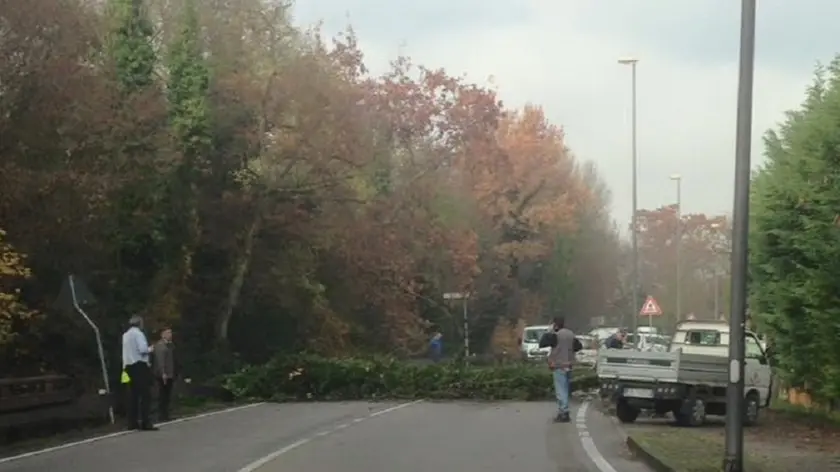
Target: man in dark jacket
[617, 340]
[164, 369]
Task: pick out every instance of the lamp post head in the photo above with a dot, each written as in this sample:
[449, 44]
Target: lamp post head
[676, 177]
[627, 60]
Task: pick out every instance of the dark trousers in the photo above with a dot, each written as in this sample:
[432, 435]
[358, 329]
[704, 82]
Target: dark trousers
[164, 397]
[139, 395]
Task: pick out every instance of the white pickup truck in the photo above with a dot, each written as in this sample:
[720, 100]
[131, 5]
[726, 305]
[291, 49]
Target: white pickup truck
[688, 380]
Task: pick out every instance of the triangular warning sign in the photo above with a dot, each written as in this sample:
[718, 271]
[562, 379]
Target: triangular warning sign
[650, 308]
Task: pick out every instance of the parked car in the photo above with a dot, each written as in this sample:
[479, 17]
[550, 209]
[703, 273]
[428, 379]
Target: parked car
[529, 343]
[589, 354]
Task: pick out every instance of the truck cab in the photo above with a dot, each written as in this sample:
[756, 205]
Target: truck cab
[689, 379]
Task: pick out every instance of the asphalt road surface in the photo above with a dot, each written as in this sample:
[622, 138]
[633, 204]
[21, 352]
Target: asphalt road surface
[356, 437]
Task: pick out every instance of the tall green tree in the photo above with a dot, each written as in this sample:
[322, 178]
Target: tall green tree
[130, 44]
[794, 250]
[139, 232]
[189, 123]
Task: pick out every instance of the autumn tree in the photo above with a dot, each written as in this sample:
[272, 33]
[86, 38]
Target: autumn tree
[255, 185]
[703, 248]
[13, 311]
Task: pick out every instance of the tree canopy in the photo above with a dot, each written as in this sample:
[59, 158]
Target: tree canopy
[794, 235]
[251, 184]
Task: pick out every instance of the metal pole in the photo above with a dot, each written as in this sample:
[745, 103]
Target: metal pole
[102, 365]
[717, 292]
[466, 329]
[635, 207]
[734, 458]
[679, 249]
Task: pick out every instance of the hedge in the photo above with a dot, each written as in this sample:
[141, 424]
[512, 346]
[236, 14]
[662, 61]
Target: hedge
[309, 377]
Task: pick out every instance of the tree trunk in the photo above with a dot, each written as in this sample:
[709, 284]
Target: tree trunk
[243, 263]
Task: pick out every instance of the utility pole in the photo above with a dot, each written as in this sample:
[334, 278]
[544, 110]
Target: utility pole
[734, 457]
[465, 298]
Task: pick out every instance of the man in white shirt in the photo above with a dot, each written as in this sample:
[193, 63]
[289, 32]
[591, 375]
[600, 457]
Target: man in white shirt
[135, 357]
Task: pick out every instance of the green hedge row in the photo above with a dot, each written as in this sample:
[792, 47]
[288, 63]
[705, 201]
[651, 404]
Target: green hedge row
[308, 377]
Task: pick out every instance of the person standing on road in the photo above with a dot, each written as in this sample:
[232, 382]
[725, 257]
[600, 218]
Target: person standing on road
[135, 357]
[164, 369]
[561, 358]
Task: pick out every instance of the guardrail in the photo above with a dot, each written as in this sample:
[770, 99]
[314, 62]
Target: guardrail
[28, 393]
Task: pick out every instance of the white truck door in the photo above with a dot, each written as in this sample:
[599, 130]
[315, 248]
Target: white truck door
[756, 374]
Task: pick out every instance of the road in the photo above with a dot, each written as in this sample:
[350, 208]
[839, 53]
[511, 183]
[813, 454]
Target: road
[357, 437]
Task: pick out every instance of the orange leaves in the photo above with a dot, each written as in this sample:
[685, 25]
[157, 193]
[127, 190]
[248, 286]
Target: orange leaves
[527, 186]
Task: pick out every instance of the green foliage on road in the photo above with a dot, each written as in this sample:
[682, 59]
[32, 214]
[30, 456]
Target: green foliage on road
[311, 377]
[794, 250]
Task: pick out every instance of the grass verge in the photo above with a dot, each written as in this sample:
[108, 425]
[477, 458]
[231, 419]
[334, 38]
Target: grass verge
[688, 450]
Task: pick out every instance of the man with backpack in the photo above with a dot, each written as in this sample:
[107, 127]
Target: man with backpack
[563, 345]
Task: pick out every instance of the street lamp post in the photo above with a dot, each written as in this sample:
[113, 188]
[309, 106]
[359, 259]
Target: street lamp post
[678, 179]
[733, 460]
[631, 61]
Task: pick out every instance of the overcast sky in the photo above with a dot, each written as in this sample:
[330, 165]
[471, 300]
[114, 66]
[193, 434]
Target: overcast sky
[562, 55]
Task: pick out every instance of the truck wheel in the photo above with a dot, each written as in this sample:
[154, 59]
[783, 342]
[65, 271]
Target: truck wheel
[751, 408]
[693, 413]
[625, 412]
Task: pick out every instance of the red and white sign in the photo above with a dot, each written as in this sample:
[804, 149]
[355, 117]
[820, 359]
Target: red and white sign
[650, 308]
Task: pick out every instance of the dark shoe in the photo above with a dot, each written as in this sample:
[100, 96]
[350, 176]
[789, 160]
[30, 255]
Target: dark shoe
[149, 428]
[132, 428]
[562, 418]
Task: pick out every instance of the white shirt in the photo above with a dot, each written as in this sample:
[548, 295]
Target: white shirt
[135, 348]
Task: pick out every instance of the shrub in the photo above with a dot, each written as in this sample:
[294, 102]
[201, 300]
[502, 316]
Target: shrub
[309, 377]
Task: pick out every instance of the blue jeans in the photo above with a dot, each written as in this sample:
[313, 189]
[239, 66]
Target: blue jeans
[562, 386]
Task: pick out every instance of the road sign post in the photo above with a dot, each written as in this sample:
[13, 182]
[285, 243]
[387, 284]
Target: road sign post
[465, 297]
[650, 309]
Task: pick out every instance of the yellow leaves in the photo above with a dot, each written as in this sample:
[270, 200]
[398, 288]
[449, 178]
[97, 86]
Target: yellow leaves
[12, 310]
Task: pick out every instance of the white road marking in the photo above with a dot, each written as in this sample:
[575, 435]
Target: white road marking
[253, 466]
[120, 433]
[588, 444]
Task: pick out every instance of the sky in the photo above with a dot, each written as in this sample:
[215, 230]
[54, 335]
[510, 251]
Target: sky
[562, 55]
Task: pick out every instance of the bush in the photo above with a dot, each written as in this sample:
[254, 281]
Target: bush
[309, 377]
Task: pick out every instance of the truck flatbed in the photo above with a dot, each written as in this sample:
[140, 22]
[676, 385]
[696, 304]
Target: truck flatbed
[663, 367]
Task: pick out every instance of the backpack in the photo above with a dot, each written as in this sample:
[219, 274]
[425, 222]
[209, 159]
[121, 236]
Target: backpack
[548, 339]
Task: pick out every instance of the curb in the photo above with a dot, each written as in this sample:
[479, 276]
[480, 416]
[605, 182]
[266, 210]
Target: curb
[647, 457]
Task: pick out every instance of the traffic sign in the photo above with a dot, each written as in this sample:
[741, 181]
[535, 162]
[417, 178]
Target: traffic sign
[650, 308]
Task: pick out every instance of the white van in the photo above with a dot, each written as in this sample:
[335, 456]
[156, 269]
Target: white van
[529, 343]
